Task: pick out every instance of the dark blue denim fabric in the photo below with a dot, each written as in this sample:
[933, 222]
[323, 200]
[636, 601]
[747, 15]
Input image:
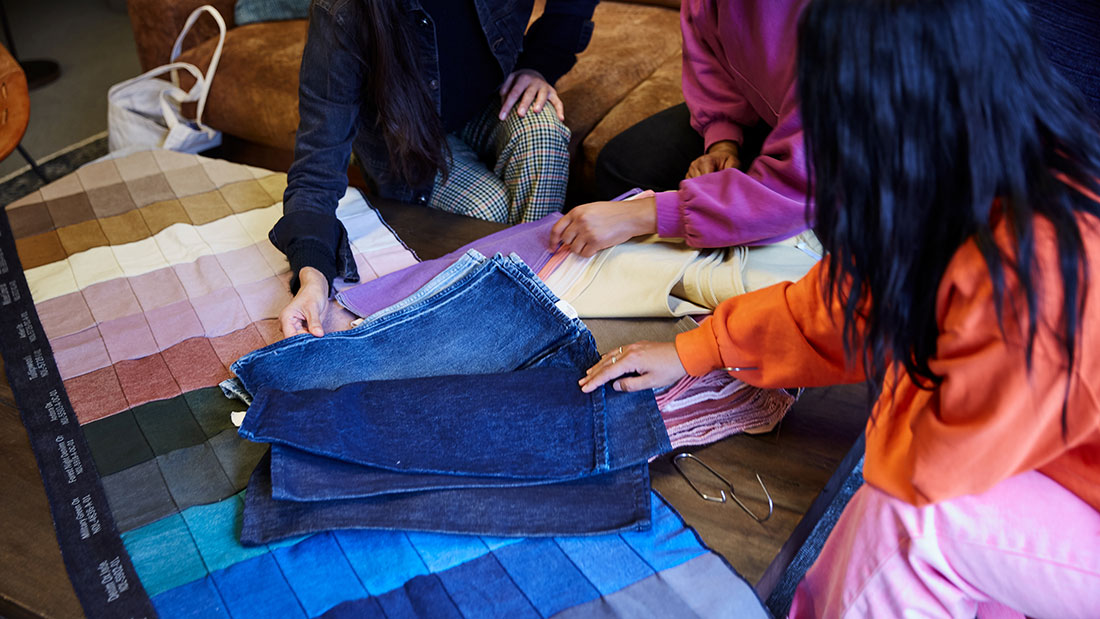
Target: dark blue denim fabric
[608, 503]
[495, 316]
[533, 423]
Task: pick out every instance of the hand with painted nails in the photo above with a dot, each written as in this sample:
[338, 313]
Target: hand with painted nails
[650, 365]
[531, 90]
[591, 227]
[305, 312]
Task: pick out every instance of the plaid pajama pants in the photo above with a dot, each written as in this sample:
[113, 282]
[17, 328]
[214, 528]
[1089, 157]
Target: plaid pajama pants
[510, 171]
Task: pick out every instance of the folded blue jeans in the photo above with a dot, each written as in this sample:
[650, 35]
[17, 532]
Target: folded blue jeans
[479, 316]
[612, 502]
[528, 424]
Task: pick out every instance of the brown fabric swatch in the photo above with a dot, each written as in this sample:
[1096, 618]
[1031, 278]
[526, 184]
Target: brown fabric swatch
[29, 219]
[35, 251]
[125, 228]
[205, 207]
[149, 189]
[70, 209]
[96, 395]
[194, 364]
[110, 200]
[245, 196]
[160, 215]
[82, 237]
[146, 379]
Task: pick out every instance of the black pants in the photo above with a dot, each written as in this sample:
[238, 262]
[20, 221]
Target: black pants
[657, 152]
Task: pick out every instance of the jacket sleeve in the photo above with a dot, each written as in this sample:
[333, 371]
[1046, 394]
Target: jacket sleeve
[718, 109]
[330, 82]
[990, 417]
[552, 43]
[730, 207]
[784, 335]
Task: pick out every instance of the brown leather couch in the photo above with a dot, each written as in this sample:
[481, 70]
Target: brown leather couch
[630, 70]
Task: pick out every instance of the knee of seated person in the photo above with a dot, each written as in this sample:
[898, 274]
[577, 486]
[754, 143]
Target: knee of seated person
[542, 127]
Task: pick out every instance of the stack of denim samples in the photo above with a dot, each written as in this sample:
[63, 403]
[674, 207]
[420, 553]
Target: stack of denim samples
[455, 410]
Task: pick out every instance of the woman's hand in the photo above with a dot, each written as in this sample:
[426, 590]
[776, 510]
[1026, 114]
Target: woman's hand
[720, 156]
[534, 90]
[591, 227]
[656, 364]
[306, 310]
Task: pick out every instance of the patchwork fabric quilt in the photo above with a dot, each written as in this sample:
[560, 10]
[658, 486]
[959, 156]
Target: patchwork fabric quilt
[126, 290]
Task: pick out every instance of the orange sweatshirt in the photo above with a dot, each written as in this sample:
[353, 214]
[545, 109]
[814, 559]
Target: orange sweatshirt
[988, 420]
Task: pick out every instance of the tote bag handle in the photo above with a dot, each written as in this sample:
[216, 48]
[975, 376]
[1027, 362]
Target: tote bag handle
[202, 83]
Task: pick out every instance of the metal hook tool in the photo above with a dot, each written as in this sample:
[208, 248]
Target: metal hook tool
[721, 499]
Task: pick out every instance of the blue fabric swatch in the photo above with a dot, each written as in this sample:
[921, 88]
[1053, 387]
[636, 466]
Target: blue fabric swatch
[383, 560]
[216, 528]
[164, 554]
[256, 588]
[423, 596]
[319, 574]
[607, 561]
[481, 588]
[441, 551]
[366, 608]
[198, 599]
[669, 543]
[545, 575]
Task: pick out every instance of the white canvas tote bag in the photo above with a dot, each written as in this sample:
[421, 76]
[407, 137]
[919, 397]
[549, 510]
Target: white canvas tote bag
[145, 111]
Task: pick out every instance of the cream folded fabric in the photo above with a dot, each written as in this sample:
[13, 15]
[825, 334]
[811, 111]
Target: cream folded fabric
[653, 277]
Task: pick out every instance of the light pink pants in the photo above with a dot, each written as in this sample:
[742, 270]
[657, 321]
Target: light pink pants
[1028, 546]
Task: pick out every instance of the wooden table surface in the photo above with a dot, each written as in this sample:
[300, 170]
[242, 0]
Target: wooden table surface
[802, 462]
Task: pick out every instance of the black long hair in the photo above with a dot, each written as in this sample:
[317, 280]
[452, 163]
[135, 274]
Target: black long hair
[918, 115]
[407, 117]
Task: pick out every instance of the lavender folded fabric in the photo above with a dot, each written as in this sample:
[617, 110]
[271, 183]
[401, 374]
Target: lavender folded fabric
[529, 241]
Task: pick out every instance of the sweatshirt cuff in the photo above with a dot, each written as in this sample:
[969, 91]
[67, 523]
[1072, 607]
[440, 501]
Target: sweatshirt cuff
[669, 222]
[698, 350]
[310, 254]
[720, 130]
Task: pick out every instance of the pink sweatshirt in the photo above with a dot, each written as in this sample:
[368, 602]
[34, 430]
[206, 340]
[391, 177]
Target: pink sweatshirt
[739, 68]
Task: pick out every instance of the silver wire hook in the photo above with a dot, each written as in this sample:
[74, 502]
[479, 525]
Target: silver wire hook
[722, 499]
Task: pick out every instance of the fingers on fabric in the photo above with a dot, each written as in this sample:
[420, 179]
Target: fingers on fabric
[558, 230]
[507, 84]
[529, 96]
[515, 90]
[607, 369]
[313, 322]
[292, 321]
[555, 100]
[540, 99]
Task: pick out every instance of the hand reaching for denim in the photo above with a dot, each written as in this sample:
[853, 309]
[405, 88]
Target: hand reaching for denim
[534, 90]
[306, 310]
[591, 227]
[655, 364]
[720, 156]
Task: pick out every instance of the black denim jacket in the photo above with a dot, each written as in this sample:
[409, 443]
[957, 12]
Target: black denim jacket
[335, 118]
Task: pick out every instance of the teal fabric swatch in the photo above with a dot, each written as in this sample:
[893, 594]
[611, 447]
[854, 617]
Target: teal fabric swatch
[216, 529]
[164, 554]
